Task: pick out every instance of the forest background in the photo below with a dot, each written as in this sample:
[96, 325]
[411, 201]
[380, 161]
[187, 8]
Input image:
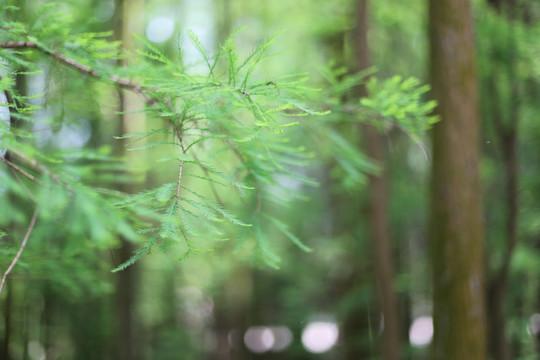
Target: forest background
[170, 190]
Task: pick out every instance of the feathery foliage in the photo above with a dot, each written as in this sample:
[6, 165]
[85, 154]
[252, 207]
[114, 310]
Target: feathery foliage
[226, 132]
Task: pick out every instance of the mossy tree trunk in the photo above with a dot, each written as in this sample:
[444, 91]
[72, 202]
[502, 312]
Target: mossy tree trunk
[456, 225]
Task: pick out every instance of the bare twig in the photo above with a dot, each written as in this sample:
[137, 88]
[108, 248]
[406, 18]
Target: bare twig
[21, 248]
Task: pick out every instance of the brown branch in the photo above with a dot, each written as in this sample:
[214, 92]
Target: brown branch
[32, 162]
[23, 185]
[178, 132]
[21, 248]
[21, 171]
[121, 82]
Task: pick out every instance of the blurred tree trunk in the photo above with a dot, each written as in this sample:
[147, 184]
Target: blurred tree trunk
[13, 315]
[127, 346]
[357, 326]
[231, 316]
[506, 130]
[456, 224]
[378, 205]
[8, 311]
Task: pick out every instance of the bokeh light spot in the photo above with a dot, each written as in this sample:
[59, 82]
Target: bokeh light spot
[259, 339]
[160, 29]
[319, 336]
[282, 338]
[421, 331]
[533, 327]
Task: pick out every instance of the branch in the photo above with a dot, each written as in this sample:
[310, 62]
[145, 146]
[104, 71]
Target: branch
[39, 167]
[121, 82]
[21, 171]
[21, 248]
[179, 180]
[23, 185]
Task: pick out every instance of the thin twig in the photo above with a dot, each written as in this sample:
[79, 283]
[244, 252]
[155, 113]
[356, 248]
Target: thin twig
[21, 248]
[21, 171]
[179, 180]
[23, 185]
[36, 165]
[415, 139]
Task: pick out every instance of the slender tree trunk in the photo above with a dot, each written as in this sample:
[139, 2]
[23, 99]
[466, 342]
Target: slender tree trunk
[456, 224]
[507, 133]
[127, 346]
[378, 207]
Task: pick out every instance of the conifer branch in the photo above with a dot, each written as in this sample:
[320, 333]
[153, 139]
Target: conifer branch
[121, 82]
[21, 248]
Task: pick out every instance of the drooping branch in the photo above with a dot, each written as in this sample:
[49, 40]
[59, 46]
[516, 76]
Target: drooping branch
[21, 248]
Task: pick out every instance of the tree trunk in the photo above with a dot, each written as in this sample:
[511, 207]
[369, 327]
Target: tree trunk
[8, 311]
[506, 130]
[456, 224]
[378, 208]
[127, 345]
